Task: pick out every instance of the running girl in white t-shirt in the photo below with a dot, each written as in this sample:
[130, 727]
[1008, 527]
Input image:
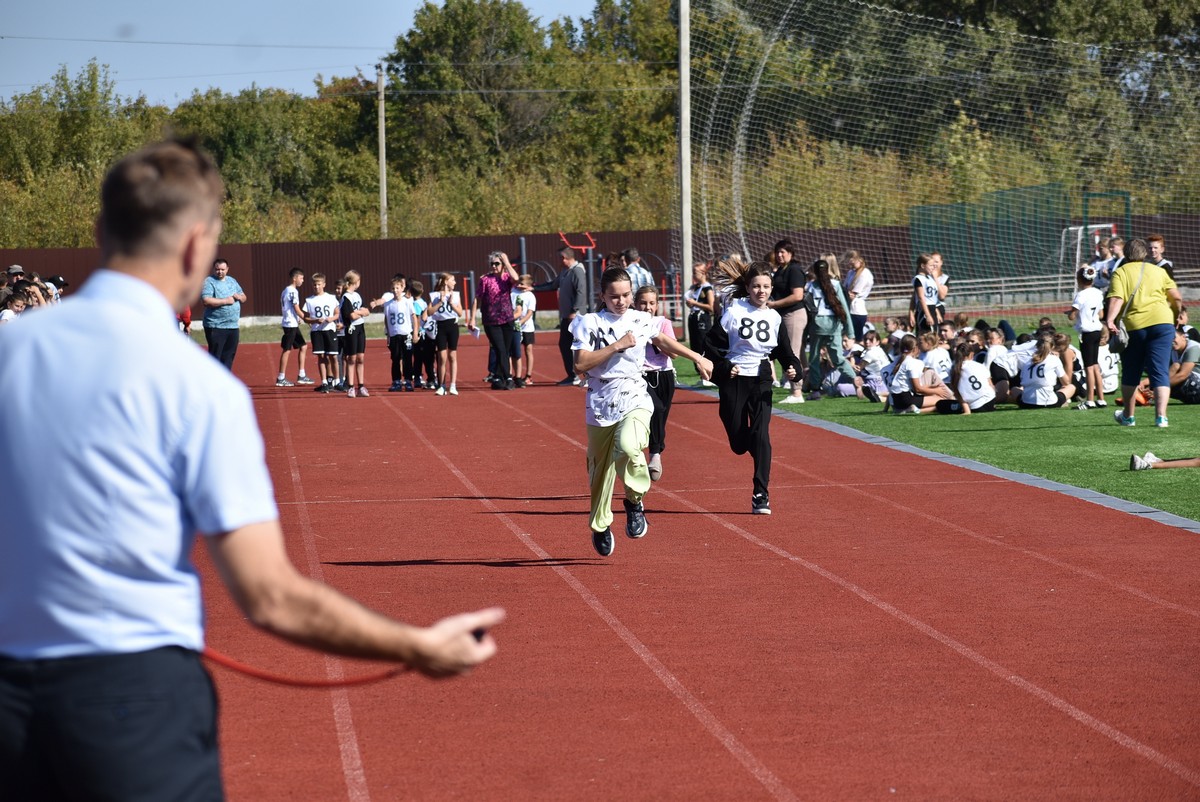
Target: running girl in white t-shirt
[445, 308]
[973, 389]
[750, 336]
[1085, 312]
[610, 347]
[659, 373]
[1044, 382]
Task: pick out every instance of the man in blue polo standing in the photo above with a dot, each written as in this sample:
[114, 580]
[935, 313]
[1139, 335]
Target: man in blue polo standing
[222, 297]
[102, 692]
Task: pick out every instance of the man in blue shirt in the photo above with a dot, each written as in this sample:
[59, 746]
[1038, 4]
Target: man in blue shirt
[222, 297]
[102, 693]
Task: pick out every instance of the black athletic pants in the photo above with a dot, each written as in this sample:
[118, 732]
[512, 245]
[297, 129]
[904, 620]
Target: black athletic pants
[661, 384]
[500, 337]
[565, 341]
[402, 357]
[745, 410]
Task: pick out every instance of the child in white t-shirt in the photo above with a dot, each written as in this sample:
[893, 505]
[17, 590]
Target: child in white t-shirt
[1045, 383]
[321, 313]
[609, 346]
[971, 383]
[907, 389]
[524, 308]
[1085, 313]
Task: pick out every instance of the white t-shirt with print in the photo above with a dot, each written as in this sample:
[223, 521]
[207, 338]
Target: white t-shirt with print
[288, 301]
[524, 302]
[1088, 302]
[323, 305]
[442, 305]
[615, 387]
[397, 315]
[938, 359]
[753, 334]
[1039, 380]
[975, 384]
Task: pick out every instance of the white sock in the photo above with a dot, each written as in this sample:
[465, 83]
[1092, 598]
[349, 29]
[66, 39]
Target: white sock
[279, 378]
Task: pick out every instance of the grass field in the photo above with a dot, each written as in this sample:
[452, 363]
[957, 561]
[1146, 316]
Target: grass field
[1082, 448]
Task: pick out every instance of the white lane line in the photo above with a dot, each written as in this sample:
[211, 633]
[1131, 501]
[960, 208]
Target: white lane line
[347, 737]
[710, 722]
[991, 541]
[1150, 754]
[1185, 773]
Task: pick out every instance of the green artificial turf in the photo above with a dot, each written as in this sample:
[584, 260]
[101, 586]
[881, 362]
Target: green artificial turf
[1082, 448]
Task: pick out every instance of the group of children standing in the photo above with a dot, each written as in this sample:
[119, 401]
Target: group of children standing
[422, 333]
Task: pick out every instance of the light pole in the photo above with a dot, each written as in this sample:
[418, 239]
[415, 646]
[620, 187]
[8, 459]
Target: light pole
[382, 155]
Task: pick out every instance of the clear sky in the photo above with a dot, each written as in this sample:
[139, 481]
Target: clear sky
[236, 43]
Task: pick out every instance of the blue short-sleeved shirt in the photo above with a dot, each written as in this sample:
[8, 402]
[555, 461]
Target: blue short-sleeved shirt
[117, 451]
[221, 317]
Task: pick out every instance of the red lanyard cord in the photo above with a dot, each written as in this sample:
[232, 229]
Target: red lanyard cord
[266, 676]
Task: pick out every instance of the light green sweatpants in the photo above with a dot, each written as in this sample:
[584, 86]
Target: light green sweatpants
[617, 448]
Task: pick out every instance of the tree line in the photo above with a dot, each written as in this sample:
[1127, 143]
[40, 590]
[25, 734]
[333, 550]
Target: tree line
[500, 124]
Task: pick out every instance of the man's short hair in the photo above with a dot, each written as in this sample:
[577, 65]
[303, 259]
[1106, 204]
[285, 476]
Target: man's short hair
[632, 255]
[295, 271]
[220, 261]
[568, 252]
[152, 190]
[1154, 238]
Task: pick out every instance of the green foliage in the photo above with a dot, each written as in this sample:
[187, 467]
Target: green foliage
[499, 122]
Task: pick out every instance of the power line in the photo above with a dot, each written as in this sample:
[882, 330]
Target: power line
[194, 44]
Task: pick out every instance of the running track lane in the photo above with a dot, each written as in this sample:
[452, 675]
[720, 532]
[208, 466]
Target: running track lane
[867, 637]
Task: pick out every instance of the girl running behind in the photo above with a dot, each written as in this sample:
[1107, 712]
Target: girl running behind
[659, 374]
[750, 336]
[609, 346]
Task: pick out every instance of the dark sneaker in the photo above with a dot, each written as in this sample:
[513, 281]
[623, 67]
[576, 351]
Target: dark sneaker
[760, 504]
[518, 383]
[283, 383]
[635, 519]
[602, 542]
[870, 393]
[567, 382]
[305, 380]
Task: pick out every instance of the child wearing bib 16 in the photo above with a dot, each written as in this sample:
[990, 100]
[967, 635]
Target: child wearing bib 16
[610, 347]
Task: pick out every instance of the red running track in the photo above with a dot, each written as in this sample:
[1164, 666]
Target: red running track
[921, 630]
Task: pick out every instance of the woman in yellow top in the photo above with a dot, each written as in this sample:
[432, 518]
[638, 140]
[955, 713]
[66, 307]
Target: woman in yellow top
[1150, 301]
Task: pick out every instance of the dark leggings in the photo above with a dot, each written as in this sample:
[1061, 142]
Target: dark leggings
[402, 357]
[500, 337]
[745, 410]
[662, 390]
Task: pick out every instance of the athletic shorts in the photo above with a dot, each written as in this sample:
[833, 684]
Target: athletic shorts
[901, 401]
[355, 342]
[447, 335]
[324, 342]
[947, 406]
[1089, 346]
[1059, 400]
[999, 373]
[527, 337]
[292, 338]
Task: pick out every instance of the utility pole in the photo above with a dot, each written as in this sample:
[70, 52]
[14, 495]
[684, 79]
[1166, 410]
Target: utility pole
[685, 148]
[382, 155]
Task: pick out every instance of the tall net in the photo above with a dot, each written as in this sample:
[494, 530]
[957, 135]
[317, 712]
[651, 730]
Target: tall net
[845, 125]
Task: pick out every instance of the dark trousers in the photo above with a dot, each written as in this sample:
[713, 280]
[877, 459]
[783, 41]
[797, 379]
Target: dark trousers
[745, 410]
[500, 337]
[565, 340]
[400, 346]
[661, 384]
[698, 324]
[859, 321]
[131, 727]
[423, 353]
[222, 344]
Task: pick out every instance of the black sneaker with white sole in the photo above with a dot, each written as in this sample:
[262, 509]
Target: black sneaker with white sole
[635, 519]
[760, 504]
[603, 542]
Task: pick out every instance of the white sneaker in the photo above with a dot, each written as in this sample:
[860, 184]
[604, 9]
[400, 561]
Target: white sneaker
[1150, 458]
[440, 391]
[913, 410]
[776, 383]
[792, 399]
[351, 393]
[1137, 463]
[707, 383]
[453, 390]
[362, 391]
